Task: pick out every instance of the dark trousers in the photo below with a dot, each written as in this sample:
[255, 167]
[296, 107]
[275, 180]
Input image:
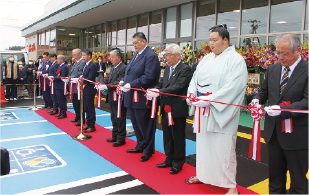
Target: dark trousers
[119, 124]
[62, 101]
[55, 101]
[46, 94]
[76, 107]
[89, 109]
[11, 89]
[280, 160]
[174, 138]
[144, 129]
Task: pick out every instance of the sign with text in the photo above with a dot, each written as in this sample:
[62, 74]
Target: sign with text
[253, 78]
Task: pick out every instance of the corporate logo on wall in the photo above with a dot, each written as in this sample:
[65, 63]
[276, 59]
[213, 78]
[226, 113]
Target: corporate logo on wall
[32, 159]
[4, 116]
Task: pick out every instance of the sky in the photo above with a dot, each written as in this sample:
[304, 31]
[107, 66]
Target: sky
[14, 15]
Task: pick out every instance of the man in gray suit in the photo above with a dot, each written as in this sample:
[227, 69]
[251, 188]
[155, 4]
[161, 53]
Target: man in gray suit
[76, 71]
[286, 133]
[116, 74]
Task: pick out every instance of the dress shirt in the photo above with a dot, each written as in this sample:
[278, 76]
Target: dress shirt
[292, 68]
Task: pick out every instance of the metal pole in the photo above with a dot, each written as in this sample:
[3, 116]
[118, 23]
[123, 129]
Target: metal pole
[81, 136]
[34, 89]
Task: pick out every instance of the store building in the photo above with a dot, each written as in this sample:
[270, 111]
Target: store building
[104, 24]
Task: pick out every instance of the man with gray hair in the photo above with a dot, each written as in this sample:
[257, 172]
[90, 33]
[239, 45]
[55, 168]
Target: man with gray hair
[286, 133]
[76, 71]
[176, 80]
[116, 74]
[61, 72]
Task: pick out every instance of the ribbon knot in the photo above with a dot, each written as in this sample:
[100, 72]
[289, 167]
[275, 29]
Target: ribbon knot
[168, 110]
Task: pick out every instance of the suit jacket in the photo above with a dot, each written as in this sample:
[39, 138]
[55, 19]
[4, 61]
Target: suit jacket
[142, 72]
[102, 65]
[76, 71]
[58, 83]
[177, 84]
[53, 69]
[113, 79]
[296, 91]
[89, 73]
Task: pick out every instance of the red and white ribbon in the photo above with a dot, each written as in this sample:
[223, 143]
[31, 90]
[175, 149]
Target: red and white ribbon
[119, 92]
[78, 86]
[207, 108]
[99, 99]
[45, 77]
[39, 75]
[51, 84]
[71, 90]
[135, 96]
[255, 145]
[168, 110]
[65, 81]
[287, 124]
[153, 107]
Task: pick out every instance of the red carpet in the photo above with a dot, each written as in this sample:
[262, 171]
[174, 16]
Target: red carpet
[158, 179]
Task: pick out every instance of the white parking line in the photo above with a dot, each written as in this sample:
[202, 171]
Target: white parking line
[75, 183]
[110, 127]
[31, 137]
[26, 122]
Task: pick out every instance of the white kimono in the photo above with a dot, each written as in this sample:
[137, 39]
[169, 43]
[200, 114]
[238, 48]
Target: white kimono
[225, 76]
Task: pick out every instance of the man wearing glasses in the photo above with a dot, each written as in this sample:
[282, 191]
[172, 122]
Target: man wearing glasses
[286, 133]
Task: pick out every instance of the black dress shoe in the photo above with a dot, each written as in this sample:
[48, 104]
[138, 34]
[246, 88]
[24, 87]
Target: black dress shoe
[90, 130]
[48, 108]
[145, 157]
[134, 151]
[62, 116]
[175, 170]
[79, 123]
[75, 120]
[163, 165]
[57, 115]
[50, 111]
[117, 144]
[53, 113]
[111, 140]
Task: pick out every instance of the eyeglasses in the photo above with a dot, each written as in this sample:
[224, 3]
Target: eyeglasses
[283, 54]
[168, 55]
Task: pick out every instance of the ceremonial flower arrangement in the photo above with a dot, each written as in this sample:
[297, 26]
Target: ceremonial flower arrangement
[304, 52]
[188, 55]
[105, 57]
[251, 92]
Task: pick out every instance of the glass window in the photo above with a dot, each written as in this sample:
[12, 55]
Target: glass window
[53, 38]
[198, 44]
[234, 41]
[271, 39]
[252, 41]
[86, 39]
[155, 27]
[97, 36]
[131, 29]
[228, 13]
[42, 39]
[307, 16]
[122, 32]
[91, 37]
[170, 23]
[186, 20]
[185, 44]
[254, 17]
[47, 38]
[205, 18]
[129, 52]
[113, 27]
[68, 39]
[103, 36]
[306, 37]
[286, 15]
[143, 24]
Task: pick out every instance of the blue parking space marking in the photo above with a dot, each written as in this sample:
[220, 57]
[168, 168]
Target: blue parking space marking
[23, 115]
[33, 158]
[4, 116]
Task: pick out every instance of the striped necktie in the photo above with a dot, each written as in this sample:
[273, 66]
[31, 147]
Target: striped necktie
[171, 72]
[284, 79]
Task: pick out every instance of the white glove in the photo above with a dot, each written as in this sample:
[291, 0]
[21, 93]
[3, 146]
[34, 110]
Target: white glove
[74, 80]
[188, 101]
[126, 87]
[271, 112]
[152, 93]
[201, 103]
[121, 83]
[102, 87]
[254, 102]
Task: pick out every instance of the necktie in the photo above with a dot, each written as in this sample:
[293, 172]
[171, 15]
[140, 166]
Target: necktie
[112, 71]
[171, 72]
[136, 56]
[284, 79]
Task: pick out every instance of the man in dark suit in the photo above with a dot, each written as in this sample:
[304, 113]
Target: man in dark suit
[116, 74]
[143, 71]
[89, 73]
[176, 80]
[45, 70]
[52, 73]
[61, 72]
[101, 69]
[76, 71]
[199, 58]
[286, 87]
